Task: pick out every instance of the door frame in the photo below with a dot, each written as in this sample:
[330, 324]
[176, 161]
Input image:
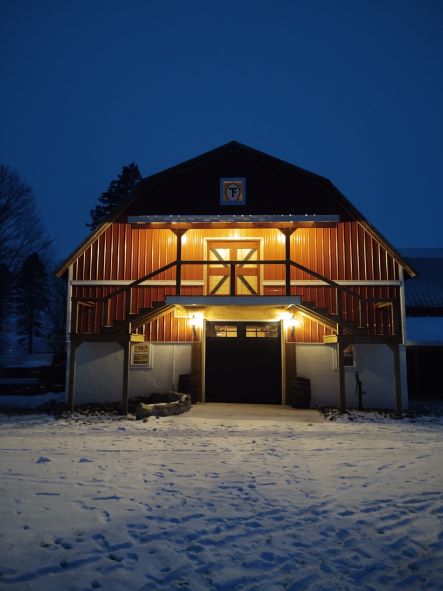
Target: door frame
[257, 239]
[282, 354]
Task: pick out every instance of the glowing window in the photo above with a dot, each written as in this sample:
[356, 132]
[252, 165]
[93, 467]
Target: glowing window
[262, 330]
[225, 330]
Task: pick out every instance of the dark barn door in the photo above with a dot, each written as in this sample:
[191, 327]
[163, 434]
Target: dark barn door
[243, 362]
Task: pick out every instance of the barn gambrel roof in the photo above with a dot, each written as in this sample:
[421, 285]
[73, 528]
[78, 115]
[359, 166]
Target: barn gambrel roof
[274, 188]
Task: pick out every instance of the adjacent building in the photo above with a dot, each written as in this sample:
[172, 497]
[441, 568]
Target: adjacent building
[424, 326]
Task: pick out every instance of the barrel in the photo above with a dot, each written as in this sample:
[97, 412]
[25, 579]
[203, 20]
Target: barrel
[299, 395]
[188, 384]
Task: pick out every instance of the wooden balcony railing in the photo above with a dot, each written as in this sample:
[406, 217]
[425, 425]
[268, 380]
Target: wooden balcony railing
[359, 309]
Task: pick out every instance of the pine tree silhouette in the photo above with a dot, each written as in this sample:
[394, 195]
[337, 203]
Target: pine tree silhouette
[30, 297]
[118, 190]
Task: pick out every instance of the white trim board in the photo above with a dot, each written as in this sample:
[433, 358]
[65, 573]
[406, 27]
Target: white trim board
[268, 282]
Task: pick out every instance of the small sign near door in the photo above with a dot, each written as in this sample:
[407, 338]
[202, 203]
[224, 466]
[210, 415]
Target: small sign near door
[232, 191]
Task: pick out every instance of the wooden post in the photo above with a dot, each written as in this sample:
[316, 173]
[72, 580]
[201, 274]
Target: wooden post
[339, 312]
[196, 367]
[128, 303]
[287, 233]
[106, 306]
[341, 376]
[402, 308]
[232, 280]
[287, 264]
[397, 380]
[178, 272]
[72, 370]
[290, 368]
[74, 316]
[125, 385]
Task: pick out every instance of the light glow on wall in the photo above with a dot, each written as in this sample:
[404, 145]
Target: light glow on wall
[196, 321]
[290, 321]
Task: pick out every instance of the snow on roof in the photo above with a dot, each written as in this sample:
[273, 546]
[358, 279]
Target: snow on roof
[232, 218]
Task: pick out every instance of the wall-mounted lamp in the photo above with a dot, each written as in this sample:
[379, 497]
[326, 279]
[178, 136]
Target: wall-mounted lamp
[196, 321]
[290, 322]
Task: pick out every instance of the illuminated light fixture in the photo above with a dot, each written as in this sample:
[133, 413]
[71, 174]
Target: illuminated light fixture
[290, 321]
[295, 322]
[196, 321]
[184, 239]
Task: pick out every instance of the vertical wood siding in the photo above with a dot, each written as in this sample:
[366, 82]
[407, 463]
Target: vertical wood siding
[345, 252]
[122, 252]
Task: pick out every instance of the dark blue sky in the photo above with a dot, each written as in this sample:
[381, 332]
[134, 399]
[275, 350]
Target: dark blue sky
[349, 89]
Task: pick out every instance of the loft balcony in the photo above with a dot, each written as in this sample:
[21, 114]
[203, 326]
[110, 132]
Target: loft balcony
[346, 311]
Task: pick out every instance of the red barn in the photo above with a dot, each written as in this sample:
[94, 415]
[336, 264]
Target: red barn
[245, 272]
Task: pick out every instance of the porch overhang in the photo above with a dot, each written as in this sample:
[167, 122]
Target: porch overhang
[276, 301]
[266, 308]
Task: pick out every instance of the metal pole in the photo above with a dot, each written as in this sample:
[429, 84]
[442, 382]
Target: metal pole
[125, 385]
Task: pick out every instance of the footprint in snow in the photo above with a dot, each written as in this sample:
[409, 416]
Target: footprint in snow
[47, 494]
[63, 543]
[105, 517]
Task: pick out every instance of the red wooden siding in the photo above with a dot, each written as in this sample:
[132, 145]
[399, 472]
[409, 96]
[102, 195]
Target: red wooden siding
[169, 329]
[345, 252]
[122, 252]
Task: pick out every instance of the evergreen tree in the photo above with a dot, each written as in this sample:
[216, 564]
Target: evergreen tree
[21, 233]
[56, 314]
[118, 190]
[30, 299]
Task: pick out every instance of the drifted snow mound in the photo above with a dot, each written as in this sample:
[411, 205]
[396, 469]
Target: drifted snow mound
[163, 405]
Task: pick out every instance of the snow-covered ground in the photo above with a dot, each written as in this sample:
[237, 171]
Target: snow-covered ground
[195, 503]
[30, 401]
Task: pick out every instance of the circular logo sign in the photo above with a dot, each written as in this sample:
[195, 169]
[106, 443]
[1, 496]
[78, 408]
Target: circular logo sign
[233, 191]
